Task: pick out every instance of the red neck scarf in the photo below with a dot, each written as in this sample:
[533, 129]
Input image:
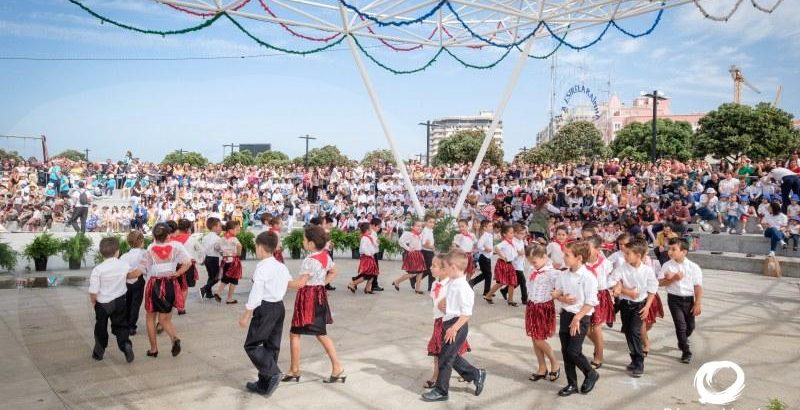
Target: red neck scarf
[537, 272]
[509, 241]
[321, 257]
[593, 267]
[467, 234]
[276, 230]
[436, 288]
[561, 244]
[368, 236]
[180, 237]
[229, 235]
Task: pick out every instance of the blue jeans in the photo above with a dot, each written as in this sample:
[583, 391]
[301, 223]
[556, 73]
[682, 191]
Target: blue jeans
[775, 237]
[731, 221]
[707, 214]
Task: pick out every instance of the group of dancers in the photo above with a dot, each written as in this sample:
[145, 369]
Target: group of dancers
[567, 278]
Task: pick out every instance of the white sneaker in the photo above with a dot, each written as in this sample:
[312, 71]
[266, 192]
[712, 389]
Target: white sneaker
[704, 226]
[771, 253]
[783, 244]
[760, 228]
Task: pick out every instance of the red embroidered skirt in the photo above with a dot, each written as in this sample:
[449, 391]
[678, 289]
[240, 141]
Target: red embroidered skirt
[311, 311]
[540, 320]
[232, 270]
[367, 266]
[505, 274]
[162, 294]
[414, 262]
[656, 310]
[603, 312]
[278, 254]
[437, 338]
[470, 265]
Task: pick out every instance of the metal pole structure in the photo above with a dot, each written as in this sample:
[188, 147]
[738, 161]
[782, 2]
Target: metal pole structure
[428, 143]
[653, 142]
[512, 83]
[376, 105]
[86, 154]
[307, 137]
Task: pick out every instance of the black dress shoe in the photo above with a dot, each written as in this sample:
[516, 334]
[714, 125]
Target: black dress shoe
[128, 352]
[434, 395]
[256, 388]
[98, 352]
[176, 347]
[568, 391]
[330, 287]
[132, 332]
[274, 382]
[377, 289]
[480, 381]
[588, 384]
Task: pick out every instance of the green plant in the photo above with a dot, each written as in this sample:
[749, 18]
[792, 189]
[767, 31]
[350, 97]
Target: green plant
[248, 241]
[776, 404]
[389, 247]
[294, 240]
[76, 247]
[42, 247]
[352, 239]
[124, 247]
[8, 257]
[339, 240]
[443, 233]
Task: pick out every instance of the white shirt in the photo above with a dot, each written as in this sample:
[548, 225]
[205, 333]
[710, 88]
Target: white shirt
[443, 285]
[368, 245]
[107, 280]
[519, 260]
[313, 267]
[460, 299]
[617, 259]
[540, 288]
[555, 254]
[778, 173]
[427, 236]
[642, 278]
[580, 284]
[270, 281]
[135, 258]
[410, 242]
[485, 245]
[465, 243]
[601, 269]
[775, 221]
[211, 245]
[506, 251]
[692, 276]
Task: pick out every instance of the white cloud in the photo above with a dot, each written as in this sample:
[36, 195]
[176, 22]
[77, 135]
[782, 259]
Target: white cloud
[747, 25]
[628, 46]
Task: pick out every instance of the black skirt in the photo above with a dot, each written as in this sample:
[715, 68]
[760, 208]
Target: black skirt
[318, 327]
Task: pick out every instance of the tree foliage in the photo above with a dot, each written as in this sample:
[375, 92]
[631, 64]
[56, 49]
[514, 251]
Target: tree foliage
[573, 141]
[378, 156]
[194, 159]
[272, 158]
[673, 140]
[72, 155]
[242, 157]
[9, 155]
[463, 147]
[733, 130]
[324, 157]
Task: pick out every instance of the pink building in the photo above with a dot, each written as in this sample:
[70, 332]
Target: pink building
[616, 115]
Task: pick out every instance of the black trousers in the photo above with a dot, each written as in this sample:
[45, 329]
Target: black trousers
[680, 307]
[789, 183]
[115, 311]
[263, 342]
[449, 358]
[632, 327]
[133, 301]
[521, 285]
[485, 265]
[572, 347]
[212, 267]
[79, 212]
[428, 256]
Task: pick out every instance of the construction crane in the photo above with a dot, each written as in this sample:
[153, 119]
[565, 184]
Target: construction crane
[778, 95]
[738, 80]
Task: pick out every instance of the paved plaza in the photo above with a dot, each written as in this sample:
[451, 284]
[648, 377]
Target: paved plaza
[46, 336]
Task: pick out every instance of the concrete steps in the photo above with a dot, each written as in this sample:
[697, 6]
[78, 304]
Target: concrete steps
[739, 262]
[747, 243]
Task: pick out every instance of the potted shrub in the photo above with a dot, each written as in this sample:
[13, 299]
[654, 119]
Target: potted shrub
[444, 231]
[40, 249]
[294, 243]
[248, 241]
[74, 250]
[339, 240]
[123, 247]
[8, 257]
[387, 247]
[353, 241]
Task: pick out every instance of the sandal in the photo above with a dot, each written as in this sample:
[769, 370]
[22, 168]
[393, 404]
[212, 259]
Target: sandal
[488, 300]
[351, 288]
[396, 287]
[419, 292]
[513, 304]
[596, 365]
[536, 377]
[429, 384]
[555, 375]
[231, 302]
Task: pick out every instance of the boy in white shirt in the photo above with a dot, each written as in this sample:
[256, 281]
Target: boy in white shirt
[684, 282]
[265, 306]
[636, 285]
[457, 309]
[135, 258]
[107, 289]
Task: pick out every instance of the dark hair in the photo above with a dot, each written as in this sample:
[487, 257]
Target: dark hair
[160, 232]
[267, 240]
[317, 235]
[562, 228]
[505, 228]
[212, 222]
[375, 221]
[135, 239]
[535, 250]
[185, 225]
[231, 225]
[109, 246]
[580, 248]
[275, 221]
[266, 218]
[363, 227]
[595, 240]
[682, 244]
[172, 225]
[316, 221]
[775, 208]
[637, 246]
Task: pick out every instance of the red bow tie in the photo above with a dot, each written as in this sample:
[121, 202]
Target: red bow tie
[436, 288]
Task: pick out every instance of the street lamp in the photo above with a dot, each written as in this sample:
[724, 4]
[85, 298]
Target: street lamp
[656, 96]
[306, 137]
[427, 125]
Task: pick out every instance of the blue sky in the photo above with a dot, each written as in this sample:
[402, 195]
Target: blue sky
[152, 107]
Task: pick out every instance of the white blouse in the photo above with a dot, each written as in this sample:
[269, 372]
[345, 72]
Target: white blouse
[541, 282]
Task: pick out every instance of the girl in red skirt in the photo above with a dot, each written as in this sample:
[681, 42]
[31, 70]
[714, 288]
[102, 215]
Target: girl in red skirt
[465, 242]
[540, 312]
[275, 226]
[312, 313]
[603, 312]
[183, 237]
[165, 262]
[413, 261]
[504, 273]
[438, 293]
[368, 265]
[656, 311]
[231, 262]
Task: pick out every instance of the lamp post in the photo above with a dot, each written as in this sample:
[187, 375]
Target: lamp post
[656, 96]
[86, 154]
[427, 125]
[306, 137]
